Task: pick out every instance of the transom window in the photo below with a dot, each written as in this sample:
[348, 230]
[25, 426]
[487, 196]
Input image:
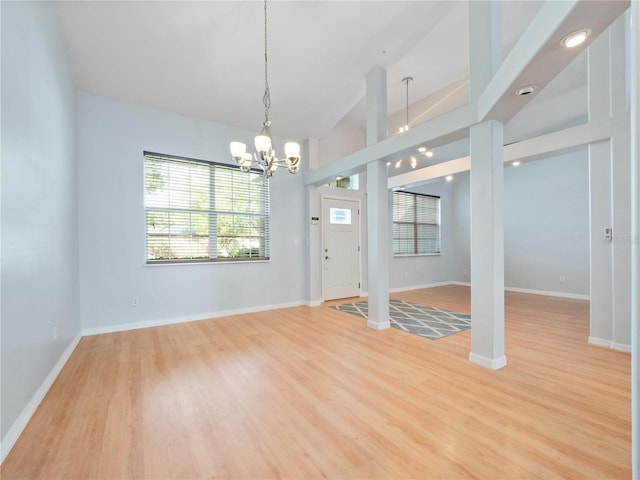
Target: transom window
[199, 211]
[416, 224]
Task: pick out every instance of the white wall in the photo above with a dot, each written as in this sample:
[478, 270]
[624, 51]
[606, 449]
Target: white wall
[39, 230]
[111, 139]
[415, 271]
[546, 225]
[342, 140]
[461, 228]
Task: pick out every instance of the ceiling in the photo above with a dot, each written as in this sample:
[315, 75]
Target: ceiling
[205, 59]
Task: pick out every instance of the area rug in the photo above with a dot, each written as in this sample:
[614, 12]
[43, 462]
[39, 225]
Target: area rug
[423, 320]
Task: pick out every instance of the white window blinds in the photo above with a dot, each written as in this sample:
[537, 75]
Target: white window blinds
[416, 224]
[198, 211]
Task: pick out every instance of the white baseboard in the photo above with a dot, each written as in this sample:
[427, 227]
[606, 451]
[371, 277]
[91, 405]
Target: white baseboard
[490, 363]
[314, 303]
[620, 347]
[19, 425]
[610, 344]
[575, 296]
[418, 287]
[548, 293]
[600, 342]
[189, 318]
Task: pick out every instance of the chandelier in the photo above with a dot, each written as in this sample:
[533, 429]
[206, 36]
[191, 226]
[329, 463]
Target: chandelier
[264, 158]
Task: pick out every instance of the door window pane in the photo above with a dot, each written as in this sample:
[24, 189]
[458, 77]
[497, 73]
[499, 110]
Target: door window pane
[340, 216]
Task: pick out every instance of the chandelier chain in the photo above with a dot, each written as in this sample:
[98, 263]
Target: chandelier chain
[266, 99]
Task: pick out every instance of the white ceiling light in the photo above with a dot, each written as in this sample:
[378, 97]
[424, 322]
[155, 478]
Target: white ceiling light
[516, 163]
[413, 161]
[526, 90]
[449, 178]
[264, 158]
[398, 163]
[406, 81]
[576, 38]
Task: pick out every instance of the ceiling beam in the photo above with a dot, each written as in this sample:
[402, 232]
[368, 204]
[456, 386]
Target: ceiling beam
[450, 123]
[556, 143]
[538, 56]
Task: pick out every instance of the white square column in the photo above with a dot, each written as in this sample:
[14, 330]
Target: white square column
[487, 191]
[378, 221]
[487, 245]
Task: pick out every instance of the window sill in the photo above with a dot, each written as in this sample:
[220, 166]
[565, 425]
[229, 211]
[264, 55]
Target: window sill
[404, 255]
[217, 262]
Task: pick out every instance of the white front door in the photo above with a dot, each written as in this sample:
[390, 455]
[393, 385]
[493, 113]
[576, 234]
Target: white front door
[340, 248]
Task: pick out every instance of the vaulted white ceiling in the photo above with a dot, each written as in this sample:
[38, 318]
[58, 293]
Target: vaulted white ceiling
[205, 59]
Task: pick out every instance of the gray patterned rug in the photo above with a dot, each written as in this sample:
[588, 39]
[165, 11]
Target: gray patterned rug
[429, 322]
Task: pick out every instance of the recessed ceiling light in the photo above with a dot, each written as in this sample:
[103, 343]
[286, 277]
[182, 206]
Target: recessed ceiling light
[388, 163]
[422, 149]
[338, 177]
[398, 163]
[576, 38]
[526, 90]
[516, 163]
[429, 153]
[414, 162]
[449, 178]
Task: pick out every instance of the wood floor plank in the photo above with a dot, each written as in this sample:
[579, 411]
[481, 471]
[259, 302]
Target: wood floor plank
[313, 393]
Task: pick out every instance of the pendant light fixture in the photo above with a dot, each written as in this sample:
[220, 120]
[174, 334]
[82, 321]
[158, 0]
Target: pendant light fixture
[406, 81]
[264, 157]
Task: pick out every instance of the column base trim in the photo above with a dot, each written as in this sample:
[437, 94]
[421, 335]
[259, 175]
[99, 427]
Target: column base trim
[490, 363]
[379, 326]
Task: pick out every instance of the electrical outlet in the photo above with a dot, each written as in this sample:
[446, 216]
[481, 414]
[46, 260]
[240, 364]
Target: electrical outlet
[561, 278]
[135, 301]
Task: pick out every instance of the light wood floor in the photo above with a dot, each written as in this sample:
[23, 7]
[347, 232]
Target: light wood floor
[306, 393]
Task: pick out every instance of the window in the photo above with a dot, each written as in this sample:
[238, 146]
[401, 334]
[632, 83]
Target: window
[340, 216]
[350, 183]
[199, 211]
[416, 224]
